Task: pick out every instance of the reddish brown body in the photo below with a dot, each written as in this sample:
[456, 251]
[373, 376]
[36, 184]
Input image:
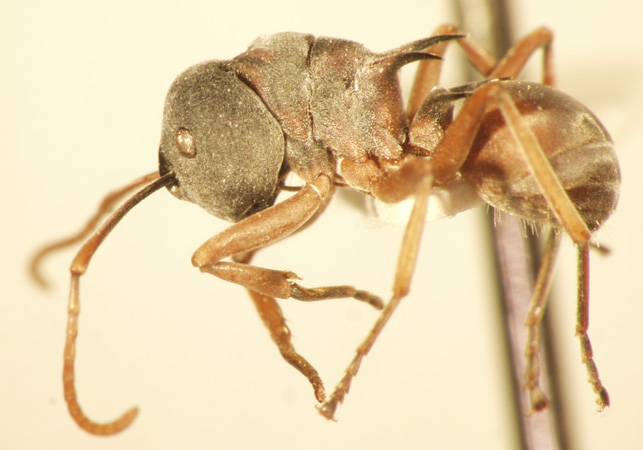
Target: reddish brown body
[331, 111]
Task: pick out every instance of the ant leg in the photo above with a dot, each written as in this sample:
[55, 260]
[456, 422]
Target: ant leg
[267, 226]
[515, 59]
[582, 325]
[549, 183]
[264, 228]
[404, 272]
[571, 221]
[449, 155]
[104, 208]
[272, 317]
[534, 318]
[280, 284]
[263, 284]
[562, 207]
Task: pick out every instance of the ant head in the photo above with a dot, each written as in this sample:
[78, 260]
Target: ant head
[224, 147]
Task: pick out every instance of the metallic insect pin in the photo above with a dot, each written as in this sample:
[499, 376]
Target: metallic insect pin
[332, 112]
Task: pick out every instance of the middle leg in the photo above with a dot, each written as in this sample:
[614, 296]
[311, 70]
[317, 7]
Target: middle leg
[404, 273]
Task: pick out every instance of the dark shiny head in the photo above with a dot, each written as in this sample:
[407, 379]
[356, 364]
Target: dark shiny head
[223, 145]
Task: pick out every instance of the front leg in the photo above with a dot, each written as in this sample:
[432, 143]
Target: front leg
[262, 229]
[280, 284]
[267, 226]
[272, 317]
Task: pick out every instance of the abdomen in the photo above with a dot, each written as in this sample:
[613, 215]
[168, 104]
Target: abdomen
[577, 145]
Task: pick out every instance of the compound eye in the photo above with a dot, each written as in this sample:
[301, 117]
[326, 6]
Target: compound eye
[185, 143]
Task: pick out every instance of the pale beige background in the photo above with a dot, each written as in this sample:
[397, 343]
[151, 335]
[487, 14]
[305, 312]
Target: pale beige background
[81, 90]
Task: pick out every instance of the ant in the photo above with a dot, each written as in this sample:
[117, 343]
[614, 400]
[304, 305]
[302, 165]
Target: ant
[331, 112]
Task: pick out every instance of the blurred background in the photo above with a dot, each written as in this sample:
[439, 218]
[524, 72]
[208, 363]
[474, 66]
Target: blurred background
[82, 86]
